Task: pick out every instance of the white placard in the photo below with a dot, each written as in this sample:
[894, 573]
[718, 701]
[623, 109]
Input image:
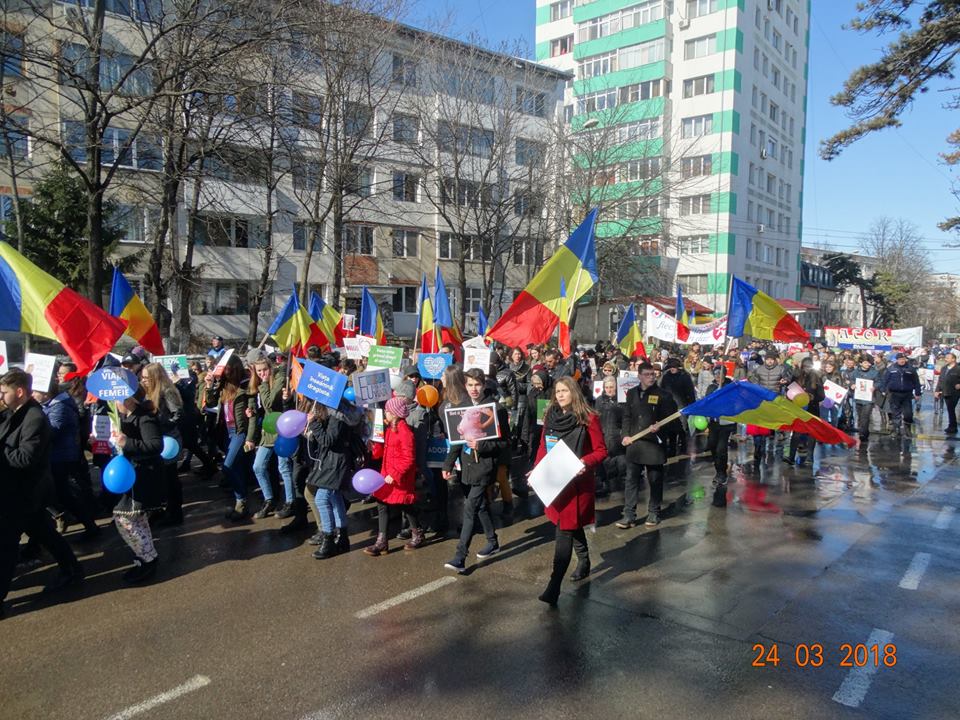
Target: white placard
[835, 392]
[660, 325]
[476, 358]
[40, 368]
[552, 474]
[597, 388]
[4, 365]
[372, 386]
[623, 385]
[349, 322]
[628, 374]
[222, 363]
[364, 343]
[863, 390]
[475, 342]
[352, 348]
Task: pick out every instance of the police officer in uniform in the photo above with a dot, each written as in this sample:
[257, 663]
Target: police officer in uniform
[647, 406]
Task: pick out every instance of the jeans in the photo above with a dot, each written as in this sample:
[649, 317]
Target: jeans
[333, 514]
[285, 465]
[830, 414]
[234, 464]
[631, 489]
[261, 470]
[475, 506]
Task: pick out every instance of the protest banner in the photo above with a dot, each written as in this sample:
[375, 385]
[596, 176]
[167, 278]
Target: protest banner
[437, 449]
[222, 363]
[384, 356]
[322, 384]
[372, 386]
[112, 383]
[175, 365]
[352, 348]
[432, 365]
[40, 367]
[623, 386]
[364, 343]
[474, 422]
[863, 390]
[476, 358]
[849, 338]
[835, 392]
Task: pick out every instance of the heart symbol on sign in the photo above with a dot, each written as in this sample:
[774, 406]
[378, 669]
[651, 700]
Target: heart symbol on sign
[3, 361]
[434, 365]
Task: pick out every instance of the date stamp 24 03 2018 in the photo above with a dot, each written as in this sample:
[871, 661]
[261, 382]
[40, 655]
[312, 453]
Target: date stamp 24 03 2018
[814, 655]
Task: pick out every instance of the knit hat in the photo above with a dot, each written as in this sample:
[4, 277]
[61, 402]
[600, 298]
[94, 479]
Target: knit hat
[406, 390]
[397, 406]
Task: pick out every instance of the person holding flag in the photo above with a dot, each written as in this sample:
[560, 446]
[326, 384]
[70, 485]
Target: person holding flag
[371, 322]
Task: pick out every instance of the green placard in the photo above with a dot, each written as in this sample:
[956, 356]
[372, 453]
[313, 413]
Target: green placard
[541, 409]
[384, 356]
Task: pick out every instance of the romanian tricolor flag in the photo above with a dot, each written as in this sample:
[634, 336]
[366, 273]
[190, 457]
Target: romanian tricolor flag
[563, 334]
[31, 301]
[328, 319]
[371, 323]
[295, 330]
[127, 305]
[744, 402]
[759, 315]
[427, 341]
[534, 315]
[629, 338]
[449, 328]
[683, 322]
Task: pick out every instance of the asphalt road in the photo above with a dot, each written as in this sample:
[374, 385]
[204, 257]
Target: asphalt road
[241, 622]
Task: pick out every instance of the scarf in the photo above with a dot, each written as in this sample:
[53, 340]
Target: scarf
[565, 427]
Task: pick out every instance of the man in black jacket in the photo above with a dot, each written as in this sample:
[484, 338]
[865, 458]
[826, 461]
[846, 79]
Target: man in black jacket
[948, 387]
[902, 382]
[24, 474]
[479, 462]
[647, 405]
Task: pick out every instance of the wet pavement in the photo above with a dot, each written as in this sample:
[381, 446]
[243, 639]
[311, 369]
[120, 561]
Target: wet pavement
[741, 611]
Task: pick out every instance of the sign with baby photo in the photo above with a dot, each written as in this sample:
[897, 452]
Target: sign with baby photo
[471, 422]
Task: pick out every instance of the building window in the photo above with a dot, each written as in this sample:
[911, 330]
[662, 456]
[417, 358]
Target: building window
[359, 181]
[640, 130]
[698, 8]
[643, 54]
[307, 110]
[592, 102]
[693, 244]
[642, 169]
[452, 137]
[115, 68]
[749, 249]
[597, 65]
[526, 204]
[561, 46]
[228, 231]
[405, 299]
[119, 146]
[357, 120]
[358, 239]
[405, 243]
[631, 17]
[11, 53]
[446, 247]
[695, 204]
[697, 126]
[16, 142]
[640, 91]
[405, 186]
[307, 174]
[464, 193]
[136, 222]
[703, 85]
[527, 252]
[693, 284]
[697, 165]
[406, 129]
[404, 70]
[560, 10]
[700, 47]
[474, 299]
[302, 230]
[529, 153]
[222, 297]
[531, 102]
[475, 249]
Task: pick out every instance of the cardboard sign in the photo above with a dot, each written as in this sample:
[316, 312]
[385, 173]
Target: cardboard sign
[554, 472]
[376, 426]
[222, 363]
[471, 422]
[476, 358]
[623, 385]
[432, 365]
[437, 449]
[364, 343]
[349, 322]
[175, 365]
[40, 367]
[112, 383]
[384, 356]
[102, 434]
[863, 390]
[475, 342]
[322, 384]
[597, 388]
[352, 348]
[835, 392]
[628, 374]
[372, 386]
[4, 365]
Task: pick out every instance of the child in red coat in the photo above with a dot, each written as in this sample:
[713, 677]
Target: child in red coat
[399, 470]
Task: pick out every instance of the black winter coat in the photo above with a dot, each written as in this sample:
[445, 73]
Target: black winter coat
[611, 422]
[328, 451]
[680, 385]
[642, 409]
[142, 448]
[949, 379]
[24, 461]
[479, 467]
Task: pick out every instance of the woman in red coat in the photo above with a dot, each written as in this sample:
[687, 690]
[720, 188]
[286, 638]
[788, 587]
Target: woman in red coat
[568, 419]
[399, 470]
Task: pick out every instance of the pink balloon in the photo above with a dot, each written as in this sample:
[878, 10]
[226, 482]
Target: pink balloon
[367, 480]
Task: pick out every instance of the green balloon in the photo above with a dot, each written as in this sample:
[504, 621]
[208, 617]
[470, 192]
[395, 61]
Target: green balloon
[700, 422]
[270, 423]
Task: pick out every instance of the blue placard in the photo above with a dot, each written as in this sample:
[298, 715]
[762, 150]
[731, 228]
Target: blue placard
[437, 449]
[112, 383]
[432, 365]
[322, 384]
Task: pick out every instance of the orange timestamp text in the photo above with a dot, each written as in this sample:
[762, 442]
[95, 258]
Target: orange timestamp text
[816, 655]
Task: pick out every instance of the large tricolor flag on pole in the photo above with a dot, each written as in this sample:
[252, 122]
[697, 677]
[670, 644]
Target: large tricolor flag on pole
[31, 301]
[426, 328]
[371, 324]
[449, 328]
[295, 330]
[127, 305]
[328, 319]
[755, 313]
[535, 314]
[683, 323]
[750, 404]
[563, 334]
[629, 338]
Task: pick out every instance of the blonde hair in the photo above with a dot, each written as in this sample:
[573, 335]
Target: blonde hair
[160, 387]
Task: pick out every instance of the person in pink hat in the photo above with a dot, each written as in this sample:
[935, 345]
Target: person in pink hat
[399, 469]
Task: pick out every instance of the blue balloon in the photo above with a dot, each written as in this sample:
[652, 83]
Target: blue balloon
[286, 446]
[171, 448]
[350, 395]
[118, 476]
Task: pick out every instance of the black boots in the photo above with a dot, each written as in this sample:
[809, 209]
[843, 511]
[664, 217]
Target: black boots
[328, 547]
[343, 540]
[583, 569]
[267, 509]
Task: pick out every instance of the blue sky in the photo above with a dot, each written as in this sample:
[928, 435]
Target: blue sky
[895, 173]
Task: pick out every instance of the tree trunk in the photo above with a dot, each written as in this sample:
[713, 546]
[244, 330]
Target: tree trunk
[863, 307]
[596, 314]
[339, 255]
[94, 232]
[462, 282]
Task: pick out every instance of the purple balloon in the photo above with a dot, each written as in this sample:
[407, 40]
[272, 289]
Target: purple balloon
[367, 481]
[291, 423]
[827, 403]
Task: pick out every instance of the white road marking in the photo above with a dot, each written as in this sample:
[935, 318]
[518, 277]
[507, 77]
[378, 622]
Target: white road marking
[404, 597]
[945, 517]
[918, 566]
[855, 685]
[194, 683]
